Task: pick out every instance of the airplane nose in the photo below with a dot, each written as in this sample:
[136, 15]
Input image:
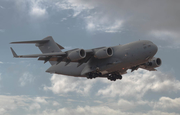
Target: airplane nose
[155, 48]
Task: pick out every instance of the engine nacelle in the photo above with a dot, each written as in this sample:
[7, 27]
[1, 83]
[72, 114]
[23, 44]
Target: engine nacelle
[76, 55]
[154, 62]
[103, 53]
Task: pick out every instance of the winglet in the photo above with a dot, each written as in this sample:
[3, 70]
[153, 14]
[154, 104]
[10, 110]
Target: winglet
[14, 53]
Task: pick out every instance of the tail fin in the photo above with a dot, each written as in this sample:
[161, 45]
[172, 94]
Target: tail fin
[46, 45]
[49, 46]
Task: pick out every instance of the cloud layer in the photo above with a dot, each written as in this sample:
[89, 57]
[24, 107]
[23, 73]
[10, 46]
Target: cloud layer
[65, 84]
[155, 18]
[120, 97]
[135, 84]
[9, 104]
[139, 83]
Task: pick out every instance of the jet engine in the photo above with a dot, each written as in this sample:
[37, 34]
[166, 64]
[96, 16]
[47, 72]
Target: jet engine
[154, 62]
[76, 55]
[103, 53]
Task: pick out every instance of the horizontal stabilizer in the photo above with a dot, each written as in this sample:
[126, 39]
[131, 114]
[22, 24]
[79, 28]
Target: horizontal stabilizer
[14, 53]
[41, 55]
[35, 41]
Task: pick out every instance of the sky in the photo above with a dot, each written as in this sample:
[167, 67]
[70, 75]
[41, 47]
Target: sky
[26, 89]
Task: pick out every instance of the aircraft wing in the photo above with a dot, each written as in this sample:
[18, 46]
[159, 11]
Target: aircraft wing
[149, 69]
[143, 66]
[55, 56]
[54, 52]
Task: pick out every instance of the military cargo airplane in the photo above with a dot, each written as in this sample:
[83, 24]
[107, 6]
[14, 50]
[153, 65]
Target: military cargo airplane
[109, 62]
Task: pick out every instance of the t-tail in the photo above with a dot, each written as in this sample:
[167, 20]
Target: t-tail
[46, 45]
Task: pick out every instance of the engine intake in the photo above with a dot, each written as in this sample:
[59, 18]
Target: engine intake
[103, 53]
[154, 62]
[76, 55]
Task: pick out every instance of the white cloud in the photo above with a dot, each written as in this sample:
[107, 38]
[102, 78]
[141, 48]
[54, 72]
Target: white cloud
[169, 37]
[91, 26]
[87, 110]
[55, 103]
[93, 21]
[63, 19]
[9, 103]
[166, 35]
[65, 84]
[40, 100]
[14, 104]
[169, 46]
[35, 8]
[109, 16]
[134, 16]
[134, 85]
[166, 103]
[137, 84]
[125, 105]
[2, 111]
[36, 11]
[153, 112]
[1, 62]
[115, 27]
[34, 106]
[97, 22]
[99, 110]
[26, 78]
[76, 6]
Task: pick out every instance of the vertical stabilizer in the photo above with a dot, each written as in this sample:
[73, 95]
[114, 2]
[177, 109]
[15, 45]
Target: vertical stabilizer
[49, 47]
[46, 45]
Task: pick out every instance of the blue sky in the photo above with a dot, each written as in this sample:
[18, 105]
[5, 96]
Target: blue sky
[26, 89]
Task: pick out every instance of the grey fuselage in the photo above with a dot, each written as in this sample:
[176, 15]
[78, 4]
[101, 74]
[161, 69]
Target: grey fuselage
[124, 57]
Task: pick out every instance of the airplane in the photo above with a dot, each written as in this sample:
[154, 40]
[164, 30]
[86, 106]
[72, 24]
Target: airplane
[107, 62]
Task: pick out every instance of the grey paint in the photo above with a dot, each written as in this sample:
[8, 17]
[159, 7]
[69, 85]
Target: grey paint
[124, 57]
